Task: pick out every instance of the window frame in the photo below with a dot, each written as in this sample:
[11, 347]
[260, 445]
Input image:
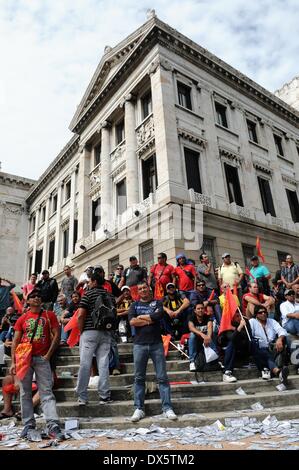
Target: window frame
[265, 203]
[189, 104]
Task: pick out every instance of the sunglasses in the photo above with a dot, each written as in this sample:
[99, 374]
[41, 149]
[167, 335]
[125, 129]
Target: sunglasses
[35, 296]
[201, 285]
[262, 311]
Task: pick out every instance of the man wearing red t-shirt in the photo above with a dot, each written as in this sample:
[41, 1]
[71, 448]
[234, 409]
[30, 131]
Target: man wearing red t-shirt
[253, 298]
[184, 275]
[43, 346]
[160, 275]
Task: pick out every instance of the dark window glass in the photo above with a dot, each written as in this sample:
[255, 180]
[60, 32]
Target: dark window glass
[252, 131]
[146, 254]
[97, 154]
[66, 243]
[192, 170]
[184, 95]
[221, 114]
[149, 176]
[248, 252]
[51, 253]
[75, 234]
[146, 105]
[33, 220]
[121, 196]
[96, 215]
[266, 196]
[54, 207]
[294, 205]
[38, 261]
[278, 144]
[208, 248]
[233, 184]
[120, 132]
[43, 215]
[30, 266]
[67, 191]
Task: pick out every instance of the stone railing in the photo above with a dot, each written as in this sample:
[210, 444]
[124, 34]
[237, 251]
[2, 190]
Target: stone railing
[118, 153]
[199, 198]
[243, 212]
[145, 132]
[95, 176]
[277, 221]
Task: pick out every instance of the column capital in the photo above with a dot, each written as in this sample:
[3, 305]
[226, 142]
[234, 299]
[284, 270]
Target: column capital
[160, 62]
[105, 125]
[130, 97]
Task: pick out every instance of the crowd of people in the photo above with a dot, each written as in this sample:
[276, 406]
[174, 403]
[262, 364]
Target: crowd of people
[185, 303]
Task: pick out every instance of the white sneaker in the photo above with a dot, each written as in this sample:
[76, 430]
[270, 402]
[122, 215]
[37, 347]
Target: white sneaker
[170, 414]
[82, 402]
[266, 374]
[137, 415]
[228, 377]
[192, 367]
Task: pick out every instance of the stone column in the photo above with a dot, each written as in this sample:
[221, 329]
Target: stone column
[46, 241]
[35, 238]
[58, 231]
[131, 157]
[106, 184]
[72, 211]
[84, 227]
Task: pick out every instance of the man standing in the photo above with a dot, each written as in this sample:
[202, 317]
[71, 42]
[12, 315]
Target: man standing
[49, 290]
[290, 273]
[160, 276]
[31, 284]
[230, 273]
[68, 284]
[184, 275]
[261, 273]
[206, 273]
[145, 317]
[39, 325]
[5, 288]
[93, 341]
[133, 276]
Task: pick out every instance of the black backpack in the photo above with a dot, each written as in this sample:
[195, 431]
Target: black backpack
[203, 366]
[104, 312]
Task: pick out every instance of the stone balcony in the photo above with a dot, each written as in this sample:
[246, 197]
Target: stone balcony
[95, 176]
[145, 135]
[117, 156]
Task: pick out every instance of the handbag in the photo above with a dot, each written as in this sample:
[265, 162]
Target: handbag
[210, 354]
[23, 353]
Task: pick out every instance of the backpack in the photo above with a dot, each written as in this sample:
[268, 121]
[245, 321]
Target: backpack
[104, 312]
[203, 366]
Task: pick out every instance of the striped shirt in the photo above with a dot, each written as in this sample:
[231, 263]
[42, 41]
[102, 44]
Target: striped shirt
[290, 273]
[88, 302]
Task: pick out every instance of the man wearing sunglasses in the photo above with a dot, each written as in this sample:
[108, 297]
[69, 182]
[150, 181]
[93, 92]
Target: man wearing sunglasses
[269, 348]
[44, 328]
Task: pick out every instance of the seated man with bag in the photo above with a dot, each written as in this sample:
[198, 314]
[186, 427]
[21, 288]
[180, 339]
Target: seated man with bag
[36, 337]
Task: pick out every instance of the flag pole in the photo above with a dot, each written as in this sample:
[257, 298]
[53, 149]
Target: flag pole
[245, 325]
[172, 344]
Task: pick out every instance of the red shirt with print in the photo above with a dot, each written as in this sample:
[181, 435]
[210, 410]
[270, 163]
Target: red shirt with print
[185, 283]
[42, 338]
[162, 273]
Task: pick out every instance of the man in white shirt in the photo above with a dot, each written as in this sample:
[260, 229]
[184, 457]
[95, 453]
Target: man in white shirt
[290, 313]
[269, 348]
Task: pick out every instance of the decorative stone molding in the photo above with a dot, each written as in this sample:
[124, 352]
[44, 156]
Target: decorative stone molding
[150, 13]
[196, 139]
[243, 212]
[160, 62]
[51, 236]
[65, 224]
[289, 180]
[128, 97]
[120, 169]
[145, 204]
[105, 125]
[11, 208]
[203, 199]
[107, 49]
[95, 193]
[146, 148]
[145, 132]
[118, 152]
[231, 157]
[277, 221]
[95, 176]
[265, 169]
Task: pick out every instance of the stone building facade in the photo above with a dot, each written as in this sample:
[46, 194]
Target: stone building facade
[165, 124]
[289, 93]
[13, 226]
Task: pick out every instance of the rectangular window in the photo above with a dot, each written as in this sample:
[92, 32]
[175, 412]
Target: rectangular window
[266, 196]
[33, 220]
[38, 261]
[146, 254]
[51, 253]
[54, 204]
[221, 114]
[97, 154]
[248, 253]
[278, 144]
[113, 263]
[146, 105]
[184, 95]
[30, 266]
[192, 170]
[251, 126]
[149, 176]
[294, 205]
[67, 191]
[75, 234]
[120, 132]
[96, 215]
[65, 237]
[121, 197]
[43, 214]
[233, 185]
[208, 248]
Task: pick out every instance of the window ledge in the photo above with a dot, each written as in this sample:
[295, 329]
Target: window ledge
[147, 118]
[285, 159]
[226, 129]
[41, 225]
[66, 202]
[189, 111]
[258, 145]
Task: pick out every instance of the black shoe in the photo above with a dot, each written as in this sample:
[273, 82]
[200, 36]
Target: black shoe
[25, 430]
[105, 400]
[283, 375]
[56, 433]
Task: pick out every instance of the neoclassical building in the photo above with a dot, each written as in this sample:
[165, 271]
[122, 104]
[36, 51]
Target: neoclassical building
[165, 125]
[13, 226]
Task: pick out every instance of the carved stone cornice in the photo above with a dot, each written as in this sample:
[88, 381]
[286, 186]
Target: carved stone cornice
[120, 169]
[230, 156]
[196, 139]
[148, 147]
[289, 180]
[95, 192]
[51, 236]
[160, 62]
[65, 224]
[17, 181]
[12, 208]
[263, 168]
[145, 132]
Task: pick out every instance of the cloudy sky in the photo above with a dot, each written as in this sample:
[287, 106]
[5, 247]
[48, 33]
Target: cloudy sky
[49, 50]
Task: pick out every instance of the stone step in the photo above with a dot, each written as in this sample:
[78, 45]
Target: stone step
[206, 389]
[123, 357]
[182, 405]
[203, 419]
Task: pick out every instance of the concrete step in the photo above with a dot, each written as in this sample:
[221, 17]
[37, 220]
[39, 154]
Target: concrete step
[124, 357]
[182, 405]
[207, 389]
[281, 413]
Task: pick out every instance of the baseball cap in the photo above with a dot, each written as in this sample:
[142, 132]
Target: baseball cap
[289, 292]
[125, 287]
[225, 255]
[170, 284]
[253, 258]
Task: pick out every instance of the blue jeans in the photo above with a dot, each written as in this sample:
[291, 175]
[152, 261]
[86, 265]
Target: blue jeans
[142, 353]
[43, 374]
[229, 356]
[292, 326]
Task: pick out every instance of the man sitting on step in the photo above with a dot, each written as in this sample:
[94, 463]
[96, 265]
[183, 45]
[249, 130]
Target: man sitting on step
[145, 316]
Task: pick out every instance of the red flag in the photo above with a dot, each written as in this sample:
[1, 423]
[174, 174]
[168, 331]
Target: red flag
[159, 290]
[249, 274]
[258, 249]
[17, 302]
[212, 295]
[229, 309]
[166, 339]
[235, 289]
[74, 336]
[134, 293]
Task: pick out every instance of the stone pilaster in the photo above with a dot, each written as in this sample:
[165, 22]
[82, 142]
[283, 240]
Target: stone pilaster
[83, 199]
[131, 157]
[106, 184]
[72, 211]
[46, 241]
[58, 231]
[35, 238]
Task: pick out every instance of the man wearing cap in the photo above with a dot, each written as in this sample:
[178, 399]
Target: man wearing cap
[290, 313]
[160, 276]
[184, 275]
[261, 274]
[49, 290]
[132, 276]
[175, 306]
[230, 273]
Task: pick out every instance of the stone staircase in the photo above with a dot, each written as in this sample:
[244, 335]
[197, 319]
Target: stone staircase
[196, 404]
